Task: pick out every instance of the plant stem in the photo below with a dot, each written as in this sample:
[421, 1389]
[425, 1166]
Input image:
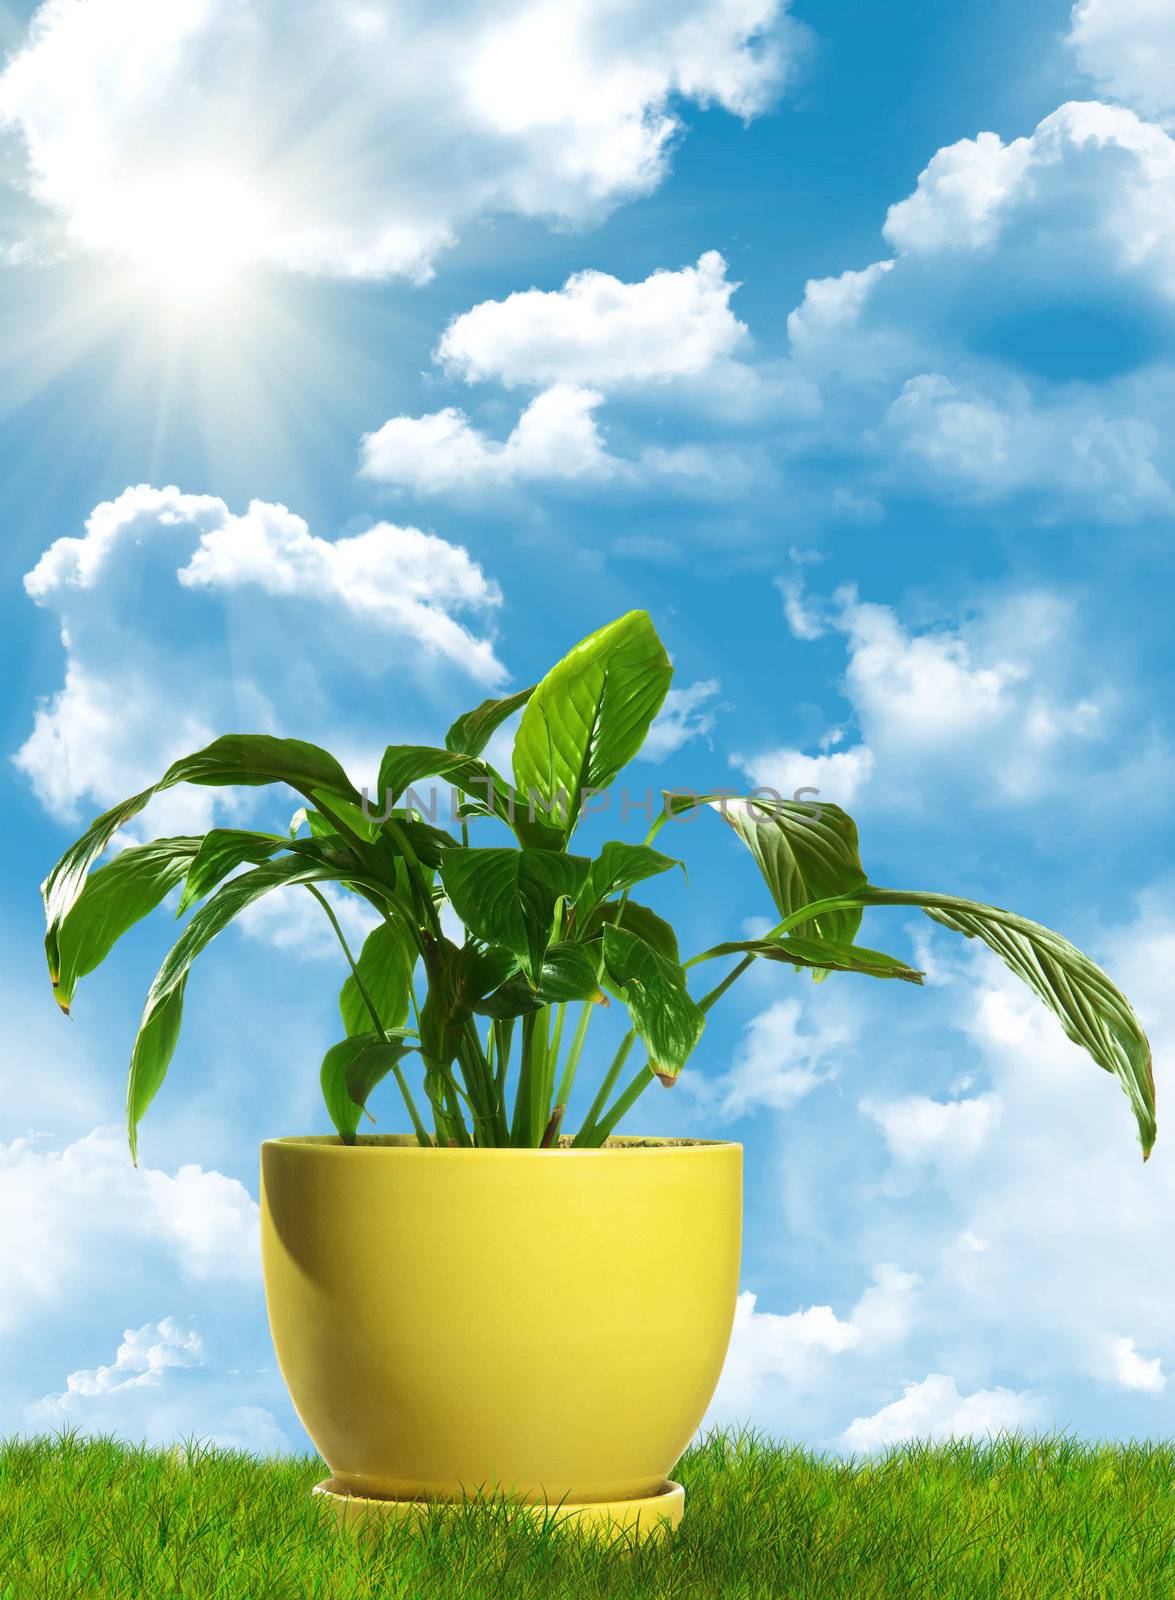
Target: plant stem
[583, 1138]
[563, 1093]
[621, 1108]
[418, 1126]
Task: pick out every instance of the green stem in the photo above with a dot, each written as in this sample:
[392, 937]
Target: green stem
[418, 1126]
[583, 1137]
[563, 1093]
[621, 1108]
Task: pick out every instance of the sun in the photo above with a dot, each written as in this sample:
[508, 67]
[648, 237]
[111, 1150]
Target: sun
[189, 236]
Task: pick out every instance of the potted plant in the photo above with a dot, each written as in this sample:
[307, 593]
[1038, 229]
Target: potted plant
[490, 1300]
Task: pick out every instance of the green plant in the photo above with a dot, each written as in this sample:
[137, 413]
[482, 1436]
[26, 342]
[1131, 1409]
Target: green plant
[544, 928]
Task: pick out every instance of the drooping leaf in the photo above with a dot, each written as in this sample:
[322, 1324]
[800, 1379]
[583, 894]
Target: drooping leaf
[805, 853]
[668, 1021]
[159, 1030]
[797, 951]
[223, 850]
[1090, 1007]
[508, 897]
[351, 1070]
[248, 759]
[619, 865]
[637, 919]
[385, 966]
[471, 732]
[568, 973]
[114, 898]
[589, 716]
[458, 977]
[160, 1022]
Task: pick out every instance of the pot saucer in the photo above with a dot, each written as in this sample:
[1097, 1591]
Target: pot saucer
[649, 1517]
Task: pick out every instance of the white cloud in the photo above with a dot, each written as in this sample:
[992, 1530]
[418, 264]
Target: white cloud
[837, 775]
[1008, 701]
[779, 1061]
[934, 1409]
[919, 1129]
[598, 330]
[773, 1355]
[152, 671]
[686, 714]
[147, 1393]
[1134, 1371]
[358, 139]
[556, 436]
[972, 363]
[1128, 48]
[68, 1209]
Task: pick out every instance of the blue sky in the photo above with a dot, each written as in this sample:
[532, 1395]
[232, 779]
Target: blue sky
[336, 395]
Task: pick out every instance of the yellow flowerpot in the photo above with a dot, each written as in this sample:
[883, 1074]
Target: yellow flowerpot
[547, 1323]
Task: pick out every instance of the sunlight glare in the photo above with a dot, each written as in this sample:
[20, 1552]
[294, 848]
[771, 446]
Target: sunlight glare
[190, 235]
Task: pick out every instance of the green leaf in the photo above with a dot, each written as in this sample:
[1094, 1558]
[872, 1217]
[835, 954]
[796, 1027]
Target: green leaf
[470, 734]
[618, 866]
[1090, 1007]
[823, 954]
[668, 1022]
[223, 850]
[589, 716]
[385, 966]
[457, 979]
[160, 1022]
[508, 897]
[568, 973]
[350, 1071]
[112, 900]
[634, 918]
[248, 759]
[803, 856]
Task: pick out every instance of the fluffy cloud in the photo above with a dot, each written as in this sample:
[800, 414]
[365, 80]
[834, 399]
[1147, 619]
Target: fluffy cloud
[918, 1129]
[598, 330]
[1128, 48]
[1006, 701]
[157, 1389]
[1134, 1371]
[934, 1409]
[216, 135]
[783, 1057]
[147, 673]
[972, 363]
[686, 714]
[556, 436]
[68, 1208]
[777, 1354]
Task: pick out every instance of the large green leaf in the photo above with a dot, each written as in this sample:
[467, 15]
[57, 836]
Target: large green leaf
[248, 759]
[471, 732]
[223, 850]
[568, 973]
[589, 716]
[1090, 1007]
[112, 900]
[351, 1070]
[619, 865]
[668, 1022]
[804, 852]
[405, 765]
[160, 1022]
[634, 918]
[385, 966]
[508, 897]
[823, 954]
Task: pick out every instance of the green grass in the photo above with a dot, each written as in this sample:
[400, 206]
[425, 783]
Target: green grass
[1018, 1517]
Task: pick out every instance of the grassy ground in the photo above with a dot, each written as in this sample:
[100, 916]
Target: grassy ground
[1021, 1517]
